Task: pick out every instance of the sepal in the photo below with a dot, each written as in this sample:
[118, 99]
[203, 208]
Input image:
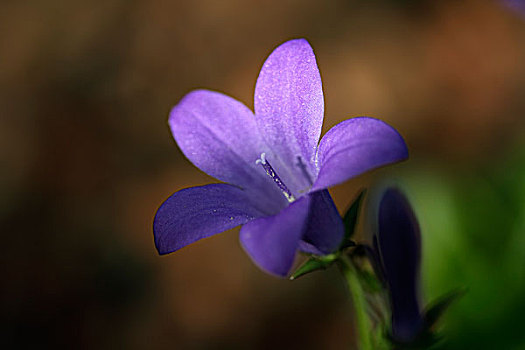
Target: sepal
[437, 308]
[350, 220]
[314, 263]
[428, 337]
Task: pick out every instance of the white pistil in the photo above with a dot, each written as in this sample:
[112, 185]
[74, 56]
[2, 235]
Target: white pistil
[273, 175]
[261, 160]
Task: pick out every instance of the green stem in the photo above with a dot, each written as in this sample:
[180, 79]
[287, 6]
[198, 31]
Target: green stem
[356, 292]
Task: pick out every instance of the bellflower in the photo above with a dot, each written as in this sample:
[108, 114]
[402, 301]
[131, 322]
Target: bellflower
[275, 170]
[398, 244]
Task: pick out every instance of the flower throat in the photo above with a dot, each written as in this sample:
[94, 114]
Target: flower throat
[273, 175]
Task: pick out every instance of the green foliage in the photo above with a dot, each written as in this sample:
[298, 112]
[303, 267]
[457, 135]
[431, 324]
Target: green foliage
[370, 282]
[437, 308]
[473, 228]
[350, 220]
[428, 338]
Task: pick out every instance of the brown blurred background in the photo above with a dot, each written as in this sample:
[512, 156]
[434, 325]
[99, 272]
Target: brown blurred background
[87, 156]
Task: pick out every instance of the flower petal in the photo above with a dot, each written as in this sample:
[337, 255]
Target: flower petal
[289, 107]
[198, 212]
[219, 135]
[325, 228]
[355, 146]
[399, 242]
[272, 241]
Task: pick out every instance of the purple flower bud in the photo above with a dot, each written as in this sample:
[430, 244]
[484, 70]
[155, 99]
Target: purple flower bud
[399, 245]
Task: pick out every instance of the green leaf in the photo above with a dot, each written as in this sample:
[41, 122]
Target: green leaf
[313, 264]
[436, 309]
[350, 220]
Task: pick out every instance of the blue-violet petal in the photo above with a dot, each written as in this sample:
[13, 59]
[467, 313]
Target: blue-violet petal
[198, 212]
[324, 229]
[289, 109]
[272, 241]
[356, 146]
[219, 135]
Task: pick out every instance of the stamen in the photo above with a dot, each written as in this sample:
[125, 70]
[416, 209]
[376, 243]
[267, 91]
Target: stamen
[301, 165]
[271, 173]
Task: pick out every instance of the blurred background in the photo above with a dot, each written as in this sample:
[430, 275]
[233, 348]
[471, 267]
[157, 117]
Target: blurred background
[87, 157]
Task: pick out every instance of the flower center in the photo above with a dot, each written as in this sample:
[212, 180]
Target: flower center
[273, 175]
[302, 166]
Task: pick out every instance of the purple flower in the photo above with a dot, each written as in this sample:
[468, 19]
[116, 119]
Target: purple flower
[398, 243]
[275, 172]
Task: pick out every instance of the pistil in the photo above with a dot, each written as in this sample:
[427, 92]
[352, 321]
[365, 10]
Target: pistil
[273, 175]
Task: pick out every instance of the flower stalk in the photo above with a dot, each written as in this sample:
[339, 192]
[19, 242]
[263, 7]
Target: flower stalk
[355, 288]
